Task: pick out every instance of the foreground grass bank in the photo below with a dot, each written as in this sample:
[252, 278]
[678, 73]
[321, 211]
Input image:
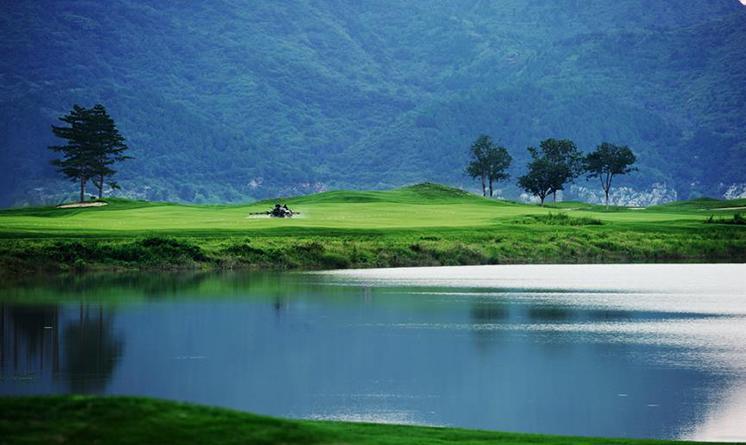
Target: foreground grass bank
[126, 420]
[423, 225]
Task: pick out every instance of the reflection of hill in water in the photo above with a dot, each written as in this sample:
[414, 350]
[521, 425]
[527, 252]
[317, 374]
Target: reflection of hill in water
[125, 287]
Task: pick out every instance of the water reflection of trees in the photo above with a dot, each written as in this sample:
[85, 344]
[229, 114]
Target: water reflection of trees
[29, 344]
[55, 344]
[488, 312]
[549, 313]
[91, 350]
[482, 315]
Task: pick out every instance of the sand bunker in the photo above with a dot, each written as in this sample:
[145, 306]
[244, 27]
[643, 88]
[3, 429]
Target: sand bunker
[727, 208]
[82, 204]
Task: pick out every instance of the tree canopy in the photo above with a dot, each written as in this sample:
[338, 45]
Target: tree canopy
[489, 163]
[607, 161]
[478, 165]
[565, 160]
[554, 164]
[540, 178]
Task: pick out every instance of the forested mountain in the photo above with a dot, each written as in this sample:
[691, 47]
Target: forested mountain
[230, 100]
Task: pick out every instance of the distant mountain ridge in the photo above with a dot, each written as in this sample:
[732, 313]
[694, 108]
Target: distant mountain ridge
[234, 100]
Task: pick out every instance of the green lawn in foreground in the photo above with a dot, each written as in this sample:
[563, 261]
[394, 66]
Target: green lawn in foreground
[427, 225]
[126, 420]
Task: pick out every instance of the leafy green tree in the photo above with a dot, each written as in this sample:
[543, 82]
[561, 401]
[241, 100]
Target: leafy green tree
[93, 145]
[540, 179]
[498, 161]
[77, 154]
[565, 159]
[488, 162]
[479, 164]
[607, 161]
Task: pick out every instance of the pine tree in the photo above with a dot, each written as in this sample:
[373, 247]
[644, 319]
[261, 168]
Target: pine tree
[93, 145]
[77, 154]
[108, 145]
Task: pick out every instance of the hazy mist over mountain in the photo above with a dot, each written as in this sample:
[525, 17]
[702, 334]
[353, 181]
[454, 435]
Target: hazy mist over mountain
[227, 101]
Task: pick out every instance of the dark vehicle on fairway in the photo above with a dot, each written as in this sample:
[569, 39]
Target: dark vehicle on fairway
[279, 211]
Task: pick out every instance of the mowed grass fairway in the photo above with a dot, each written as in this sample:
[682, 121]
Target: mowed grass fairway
[417, 207]
[126, 420]
[426, 224]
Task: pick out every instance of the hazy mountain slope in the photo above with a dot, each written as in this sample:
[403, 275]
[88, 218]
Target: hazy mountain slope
[669, 94]
[230, 100]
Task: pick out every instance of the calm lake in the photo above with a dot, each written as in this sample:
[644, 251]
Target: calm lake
[621, 350]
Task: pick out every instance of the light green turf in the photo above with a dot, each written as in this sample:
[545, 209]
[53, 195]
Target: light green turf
[424, 206]
[423, 225]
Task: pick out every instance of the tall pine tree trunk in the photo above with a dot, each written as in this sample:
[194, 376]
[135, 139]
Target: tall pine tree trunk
[100, 186]
[606, 192]
[82, 189]
[490, 188]
[484, 187]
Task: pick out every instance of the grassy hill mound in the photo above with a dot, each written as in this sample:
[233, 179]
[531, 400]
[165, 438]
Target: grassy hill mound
[54, 211]
[703, 204]
[424, 193]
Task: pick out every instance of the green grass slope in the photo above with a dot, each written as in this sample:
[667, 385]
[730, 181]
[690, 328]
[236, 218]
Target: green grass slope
[419, 194]
[704, 204]
[125, 420]
[420, 206]
[425, 224]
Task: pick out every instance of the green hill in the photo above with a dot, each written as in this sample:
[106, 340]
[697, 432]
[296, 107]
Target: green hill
[705, 204]
[425, 193]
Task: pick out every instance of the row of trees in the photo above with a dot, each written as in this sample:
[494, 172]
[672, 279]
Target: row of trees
[93, 145]
[554, 164]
